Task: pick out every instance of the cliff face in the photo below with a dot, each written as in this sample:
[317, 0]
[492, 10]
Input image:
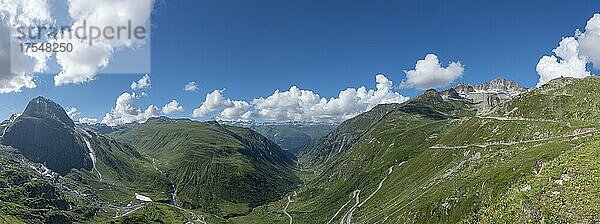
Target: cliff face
[485, 101]
[487, 95]
[44, 133]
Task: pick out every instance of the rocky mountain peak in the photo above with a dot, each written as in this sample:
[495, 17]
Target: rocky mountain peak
[501, 85]
[41, 107]
[431, 94]
[45, 134]
[451, 93]
[487, 95]
[498, 85]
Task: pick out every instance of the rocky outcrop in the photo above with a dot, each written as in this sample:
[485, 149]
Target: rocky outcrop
[498, 85]
[487, 95]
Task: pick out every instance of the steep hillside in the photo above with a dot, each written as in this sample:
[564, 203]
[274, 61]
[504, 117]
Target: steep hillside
[343, 137]
[119, 173]
[562, 190]
[562, 99]
[220, 169]
[438, 166]
[431, 105]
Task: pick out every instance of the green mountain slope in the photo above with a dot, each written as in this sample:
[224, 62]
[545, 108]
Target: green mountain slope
[564, 99]
[220, 169]
[119, 173]
[343, 137]
[430, 105]
[209, 169]
[565, 189]
[436, 162]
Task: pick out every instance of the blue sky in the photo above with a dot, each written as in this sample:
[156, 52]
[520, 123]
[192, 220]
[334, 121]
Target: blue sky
[252, 48]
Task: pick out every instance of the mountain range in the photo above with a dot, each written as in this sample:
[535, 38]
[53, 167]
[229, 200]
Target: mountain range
[489, 153]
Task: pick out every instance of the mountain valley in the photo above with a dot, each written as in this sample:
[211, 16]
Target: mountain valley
[489, 153]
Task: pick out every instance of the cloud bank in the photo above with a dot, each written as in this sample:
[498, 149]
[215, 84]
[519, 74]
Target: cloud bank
[573, 54]
[296, 104]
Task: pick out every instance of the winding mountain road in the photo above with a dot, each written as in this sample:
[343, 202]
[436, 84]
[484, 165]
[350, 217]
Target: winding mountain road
[347, 217]
[487, 144]
[517, 119]
[339, 210]
[194, 218]
[136, 207]
[286, 207]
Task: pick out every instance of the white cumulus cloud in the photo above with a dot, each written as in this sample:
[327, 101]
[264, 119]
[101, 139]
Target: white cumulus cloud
[191, 87]
[429, 73]
[16, 67]
[83, 63]
[143, 83]
[567, 62]
[228, 109]
[172, 107]
[73, 113]
[589, 41]
[125, 111]
[296, 104]
[237, 111]
[573, 54]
